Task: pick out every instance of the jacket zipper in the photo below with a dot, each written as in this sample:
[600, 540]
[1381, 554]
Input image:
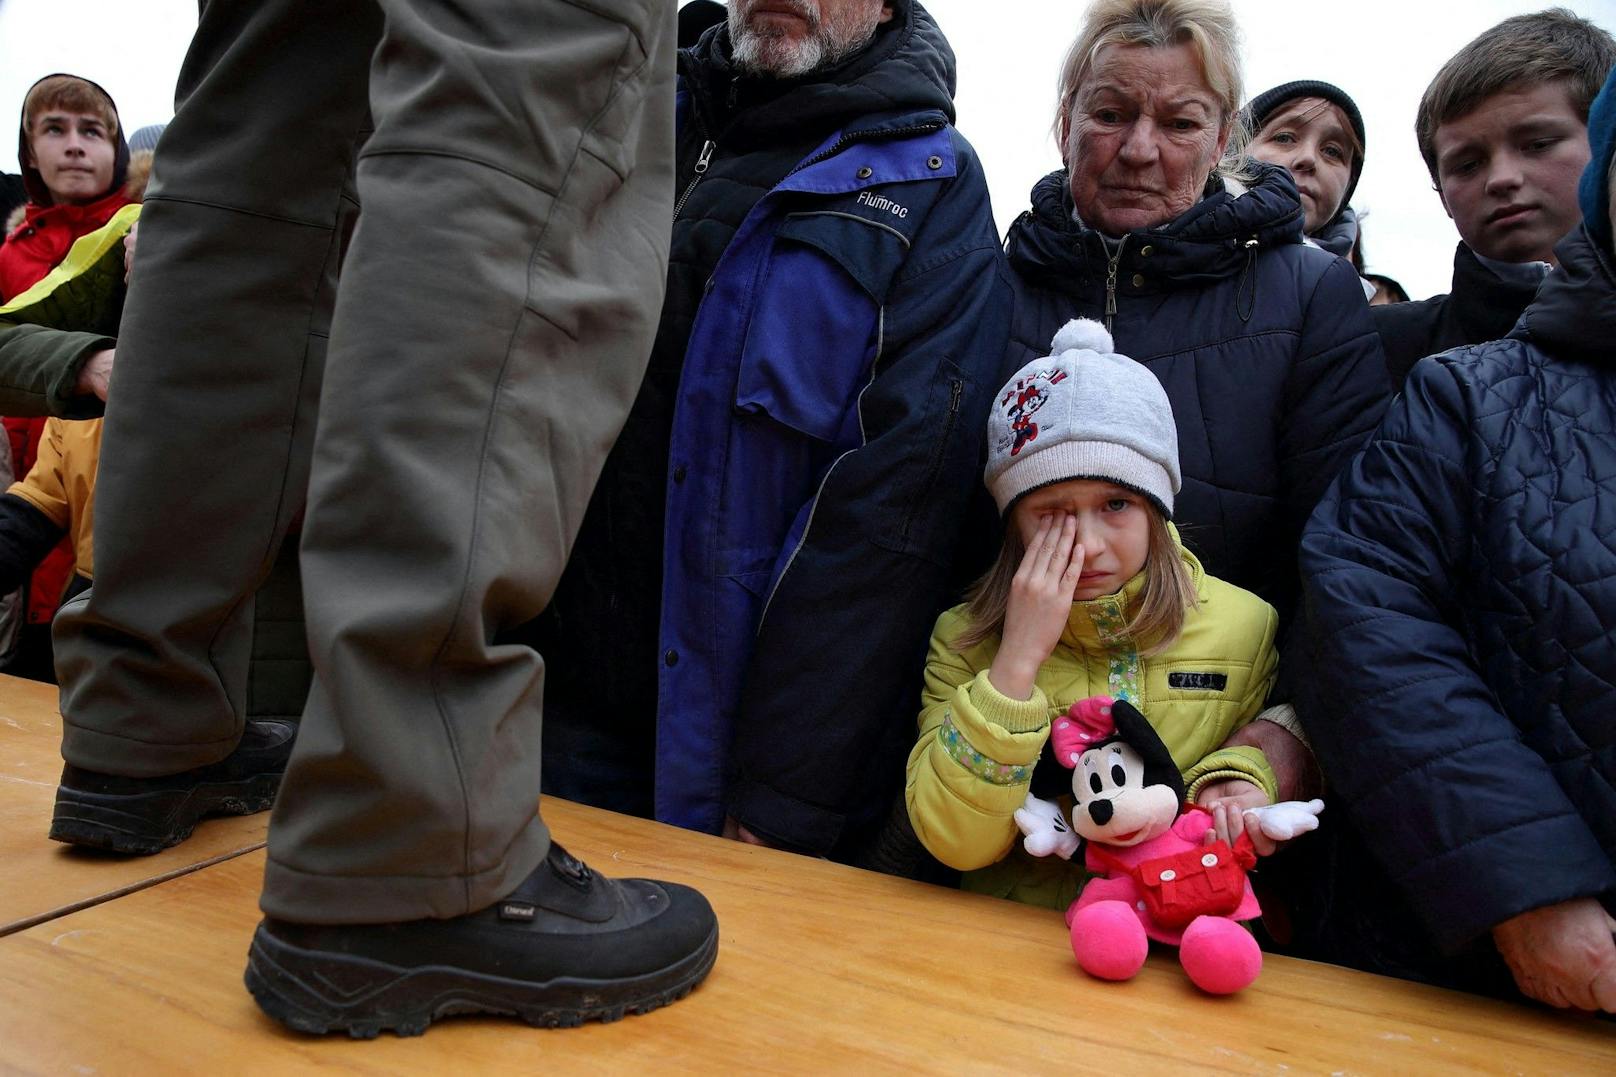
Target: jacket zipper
[1111, 284]
[707, 148]
[864, 136]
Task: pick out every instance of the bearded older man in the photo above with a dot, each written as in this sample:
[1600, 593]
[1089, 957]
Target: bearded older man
[735, 643]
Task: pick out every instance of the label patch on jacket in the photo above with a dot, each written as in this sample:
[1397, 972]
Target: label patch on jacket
[881, 202]
[1198, 682]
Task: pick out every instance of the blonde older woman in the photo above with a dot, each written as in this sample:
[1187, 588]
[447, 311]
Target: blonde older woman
[1192, 255]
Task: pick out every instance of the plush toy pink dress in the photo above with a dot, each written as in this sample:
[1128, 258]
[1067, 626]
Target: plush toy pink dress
[1176, 890]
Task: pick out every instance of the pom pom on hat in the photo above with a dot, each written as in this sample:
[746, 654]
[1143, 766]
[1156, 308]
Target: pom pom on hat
[1083, 334]
[1084, 412]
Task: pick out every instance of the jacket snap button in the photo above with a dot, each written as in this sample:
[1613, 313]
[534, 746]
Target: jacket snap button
[1210, 860]
[1169, 875]
[679, 473]
[934, 162]
[866, 172]
[1147, 251]
[1138, 280]
[671, 657]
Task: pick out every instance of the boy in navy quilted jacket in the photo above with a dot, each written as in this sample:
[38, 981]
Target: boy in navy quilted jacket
[1461, 585]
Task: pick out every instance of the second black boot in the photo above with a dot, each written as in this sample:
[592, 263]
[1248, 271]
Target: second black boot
[146, 815]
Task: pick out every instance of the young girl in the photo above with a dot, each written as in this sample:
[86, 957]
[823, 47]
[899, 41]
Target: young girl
[1315, 130]
[1092, 594]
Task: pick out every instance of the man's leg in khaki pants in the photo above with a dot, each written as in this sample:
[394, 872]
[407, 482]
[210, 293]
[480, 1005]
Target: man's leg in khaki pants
[493, 320]
[210, 422]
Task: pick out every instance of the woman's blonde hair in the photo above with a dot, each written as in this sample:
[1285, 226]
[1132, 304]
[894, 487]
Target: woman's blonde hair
[1207, 26]
[1158, 612]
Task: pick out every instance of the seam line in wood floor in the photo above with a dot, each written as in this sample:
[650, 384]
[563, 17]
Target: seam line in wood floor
[80, 906]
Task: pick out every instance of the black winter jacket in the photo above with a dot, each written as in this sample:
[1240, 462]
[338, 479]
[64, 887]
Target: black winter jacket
[1461, 593]
[1263, 344]
[1482, 306]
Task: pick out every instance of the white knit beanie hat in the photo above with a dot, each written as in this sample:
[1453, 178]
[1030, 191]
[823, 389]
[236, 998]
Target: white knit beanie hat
[1085, 412]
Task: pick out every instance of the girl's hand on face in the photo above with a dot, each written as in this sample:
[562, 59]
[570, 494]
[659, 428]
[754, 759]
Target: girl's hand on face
[1040, 602]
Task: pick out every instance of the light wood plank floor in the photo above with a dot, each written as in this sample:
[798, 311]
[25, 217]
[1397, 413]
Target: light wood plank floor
[821, 968]
[42, 878]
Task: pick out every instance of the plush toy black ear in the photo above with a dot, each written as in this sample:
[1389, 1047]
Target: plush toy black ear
[1141, 736]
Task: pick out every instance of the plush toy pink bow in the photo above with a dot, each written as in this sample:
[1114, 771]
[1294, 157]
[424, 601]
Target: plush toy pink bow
[1085, 724]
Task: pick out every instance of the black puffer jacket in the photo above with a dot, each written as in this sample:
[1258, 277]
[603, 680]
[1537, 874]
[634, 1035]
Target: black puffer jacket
[1263, 344]
[1482, 306]
[1461, 593]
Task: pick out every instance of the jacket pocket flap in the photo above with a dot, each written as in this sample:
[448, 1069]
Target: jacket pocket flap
[808, 345]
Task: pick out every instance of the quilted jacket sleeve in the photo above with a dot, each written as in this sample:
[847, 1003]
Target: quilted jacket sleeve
[1467, 819]
[1335, 395]
[972, 764]
[1244, 762]
[844, 633]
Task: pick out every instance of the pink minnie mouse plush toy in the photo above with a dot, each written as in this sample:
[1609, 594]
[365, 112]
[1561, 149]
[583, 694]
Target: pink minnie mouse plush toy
[1159, 878]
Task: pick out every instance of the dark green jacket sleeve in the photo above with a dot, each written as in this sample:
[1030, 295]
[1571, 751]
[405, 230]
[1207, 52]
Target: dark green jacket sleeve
[39, 368]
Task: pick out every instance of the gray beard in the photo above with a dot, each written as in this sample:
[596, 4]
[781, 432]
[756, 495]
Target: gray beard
[758, 54]
[771, 56]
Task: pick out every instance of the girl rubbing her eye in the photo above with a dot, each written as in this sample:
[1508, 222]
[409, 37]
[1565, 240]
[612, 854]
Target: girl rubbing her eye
[1092, 594]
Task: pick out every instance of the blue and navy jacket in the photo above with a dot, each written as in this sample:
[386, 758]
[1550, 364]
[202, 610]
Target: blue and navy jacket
[826, 439]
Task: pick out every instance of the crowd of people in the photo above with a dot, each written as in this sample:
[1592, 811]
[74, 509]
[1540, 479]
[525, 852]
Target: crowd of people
[729, 503]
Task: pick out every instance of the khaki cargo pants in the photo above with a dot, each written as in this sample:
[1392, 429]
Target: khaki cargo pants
[442, 409]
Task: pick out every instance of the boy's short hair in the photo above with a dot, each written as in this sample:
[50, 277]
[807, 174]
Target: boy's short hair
[1547, 46]
[70, 94]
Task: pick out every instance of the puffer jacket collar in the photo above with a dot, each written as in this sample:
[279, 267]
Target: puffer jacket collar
[909, 67]
[1574, 313]
[1207, 242]
[1339, 236]
[1093, 623]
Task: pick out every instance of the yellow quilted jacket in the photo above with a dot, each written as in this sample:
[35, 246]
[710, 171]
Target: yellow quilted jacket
[61, 484]
[972, 764]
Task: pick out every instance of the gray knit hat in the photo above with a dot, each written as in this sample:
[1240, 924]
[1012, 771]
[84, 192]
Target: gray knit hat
[1084, 412]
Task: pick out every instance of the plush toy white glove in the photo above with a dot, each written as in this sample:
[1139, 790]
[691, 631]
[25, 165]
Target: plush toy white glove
[1282, 821]
[1046, 829]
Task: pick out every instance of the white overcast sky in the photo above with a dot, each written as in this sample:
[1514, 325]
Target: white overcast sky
[1382, 52]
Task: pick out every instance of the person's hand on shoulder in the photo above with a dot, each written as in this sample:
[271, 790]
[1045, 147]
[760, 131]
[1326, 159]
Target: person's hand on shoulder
[1563, 954]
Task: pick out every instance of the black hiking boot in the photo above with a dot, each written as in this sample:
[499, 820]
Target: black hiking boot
[566, 946]
[146, 815]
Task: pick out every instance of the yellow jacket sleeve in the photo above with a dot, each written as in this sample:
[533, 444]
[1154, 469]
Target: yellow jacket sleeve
[1244, 762]
[45, 485]
[972, 764]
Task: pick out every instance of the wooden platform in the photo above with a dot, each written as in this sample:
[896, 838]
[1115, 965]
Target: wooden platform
[42, 879]
[822, 968]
